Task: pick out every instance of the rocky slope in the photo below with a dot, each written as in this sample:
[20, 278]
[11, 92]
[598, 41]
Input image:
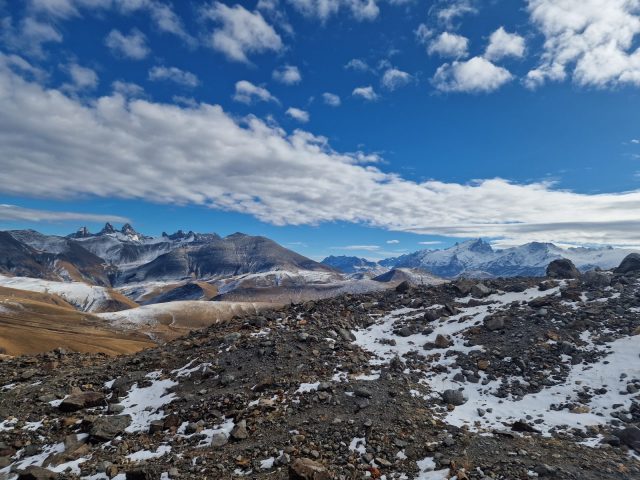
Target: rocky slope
[501, 379]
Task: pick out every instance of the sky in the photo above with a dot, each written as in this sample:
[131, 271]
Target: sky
[336, 127]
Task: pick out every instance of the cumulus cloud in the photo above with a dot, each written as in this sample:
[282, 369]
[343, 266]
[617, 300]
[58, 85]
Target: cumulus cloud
[13, 213]
[449, 45]
[367, 93]
[241, 32]
[504, 44]
[591, 41]
[175, 75]
[132, 46]
[246, 92]
[115, 147]
[28, 36]
[358, 65]
[331, 99]
[82, 78]
[301, 116]
[287, 74]
[476, 75]
[127, 89]
[392, 79]
[161, 13]
[448, 11]
[323, 9]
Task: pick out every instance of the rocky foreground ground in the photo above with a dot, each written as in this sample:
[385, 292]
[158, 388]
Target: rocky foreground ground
[501, 379]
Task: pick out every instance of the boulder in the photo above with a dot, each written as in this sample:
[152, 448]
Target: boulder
[37, 473]
[307, 469]
[443, 341]
[107, 428]
[630, 264]
[480, 290]
[630, 437]
[82, 400]
[562, 268]
[453, 397]
[596, 279]
[494, 323]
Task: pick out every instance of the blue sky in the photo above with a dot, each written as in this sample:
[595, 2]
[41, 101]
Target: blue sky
[366, 127]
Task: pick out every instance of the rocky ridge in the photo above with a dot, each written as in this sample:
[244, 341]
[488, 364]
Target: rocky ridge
[500, 379]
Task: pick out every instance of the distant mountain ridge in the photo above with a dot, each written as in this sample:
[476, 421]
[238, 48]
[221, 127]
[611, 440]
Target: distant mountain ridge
[115, 257]
[478, 259]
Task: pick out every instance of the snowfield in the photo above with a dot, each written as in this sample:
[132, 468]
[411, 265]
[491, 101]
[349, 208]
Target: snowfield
[85, 297]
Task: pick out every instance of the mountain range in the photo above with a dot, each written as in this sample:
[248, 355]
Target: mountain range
[478, 259]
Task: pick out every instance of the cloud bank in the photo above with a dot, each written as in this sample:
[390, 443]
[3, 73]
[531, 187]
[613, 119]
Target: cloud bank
[56, 146]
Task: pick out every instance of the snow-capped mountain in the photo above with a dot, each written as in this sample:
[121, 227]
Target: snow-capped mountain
[126, 256]
[476, 258]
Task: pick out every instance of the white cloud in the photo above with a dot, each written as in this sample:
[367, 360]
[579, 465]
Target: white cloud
[423, 33]
[28, 36]
[393, 79]
[82, 78]
[287, 74]
[297, 114]
[393, 242]
[476, 75]
[66, 8]
[357, 65]
[247, 92]
[368, 93]
[590, 41]
[161, 13]
[504, 44]
[174, 74]
[323, 9]
[447, 11]
[132, 46]
[14, 213]
[449, 45]
[241, 32]
[331, 99]
[127, 89]
[635, 140]
[114, 147]
[432, 242]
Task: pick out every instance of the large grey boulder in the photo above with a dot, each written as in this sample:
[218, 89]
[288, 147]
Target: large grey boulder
[630, 264]
[562, 268]
[107, 428]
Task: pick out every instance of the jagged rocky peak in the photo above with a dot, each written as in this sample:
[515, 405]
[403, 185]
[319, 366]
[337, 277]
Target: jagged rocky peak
[127, 229]
[477, 245]
[83, 232]
[179, 235]
[108, 228]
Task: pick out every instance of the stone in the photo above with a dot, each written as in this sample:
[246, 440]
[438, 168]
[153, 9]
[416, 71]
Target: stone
[404, 287]
[307, 469]
[480, 290]
[82, 400]
[562, 268]
[596, 279]
[107, 428]
[443, 341]
[630, 437]
[494, 323]
[630, 264]
[37, 473]
[240, 432]
[453, 397]
[219, 440]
